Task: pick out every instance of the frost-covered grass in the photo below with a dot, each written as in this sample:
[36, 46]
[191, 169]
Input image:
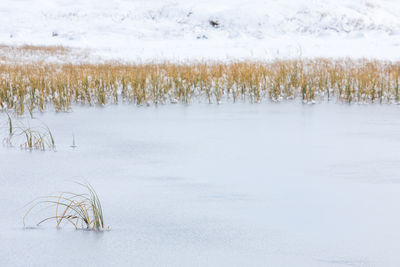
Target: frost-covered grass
[32, 87]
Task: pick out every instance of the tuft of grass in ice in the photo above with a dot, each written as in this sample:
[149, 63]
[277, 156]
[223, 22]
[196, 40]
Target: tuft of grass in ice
[30, 138]
[34, 139]
[10, 131]
[40, 138]
[82, 210]
[10, 125]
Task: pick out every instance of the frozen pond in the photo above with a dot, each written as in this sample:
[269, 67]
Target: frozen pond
[214, 185]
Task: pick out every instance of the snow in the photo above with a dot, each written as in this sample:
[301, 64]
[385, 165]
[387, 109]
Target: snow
[213, 185]
[148, 30]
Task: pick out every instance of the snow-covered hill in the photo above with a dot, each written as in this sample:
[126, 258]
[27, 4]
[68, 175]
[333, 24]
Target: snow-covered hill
[208, 29]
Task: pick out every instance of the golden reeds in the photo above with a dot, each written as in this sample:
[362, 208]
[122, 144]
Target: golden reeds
[35, 86]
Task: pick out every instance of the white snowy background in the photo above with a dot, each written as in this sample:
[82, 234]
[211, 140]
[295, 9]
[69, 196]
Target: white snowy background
[181, 30]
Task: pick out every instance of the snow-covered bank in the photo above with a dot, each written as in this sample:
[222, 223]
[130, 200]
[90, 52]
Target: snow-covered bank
[218, 30]
[209, 185]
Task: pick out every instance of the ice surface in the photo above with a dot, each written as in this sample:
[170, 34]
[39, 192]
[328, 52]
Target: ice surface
[142, 30]
[214, 185]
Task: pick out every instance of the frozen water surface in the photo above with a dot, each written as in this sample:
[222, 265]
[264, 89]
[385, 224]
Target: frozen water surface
[214, 185]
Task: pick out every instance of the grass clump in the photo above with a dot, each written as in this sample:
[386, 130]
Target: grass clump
[29, 138]
[36, 139]
[82, 210]
[10, 131]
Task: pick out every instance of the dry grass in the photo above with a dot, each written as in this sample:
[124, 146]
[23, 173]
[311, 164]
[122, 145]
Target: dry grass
[36, 139]
[50, 50]
[32, 87]
[32, 49]
[83, 210]
[23, 54]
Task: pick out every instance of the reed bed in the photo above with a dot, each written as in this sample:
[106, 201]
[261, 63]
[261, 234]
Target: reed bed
[36, 86]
